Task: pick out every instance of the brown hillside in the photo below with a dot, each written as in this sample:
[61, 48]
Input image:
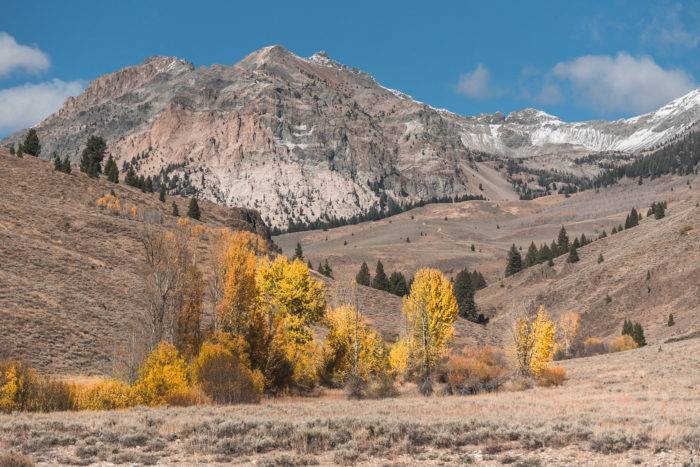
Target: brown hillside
[69, 271]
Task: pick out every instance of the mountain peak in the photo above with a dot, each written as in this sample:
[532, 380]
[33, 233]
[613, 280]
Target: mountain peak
[530, 116]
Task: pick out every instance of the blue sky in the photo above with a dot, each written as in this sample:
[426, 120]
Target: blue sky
[576, 59]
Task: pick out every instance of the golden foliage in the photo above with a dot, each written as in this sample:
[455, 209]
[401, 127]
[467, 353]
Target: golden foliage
[476, 369]
[103, 395]
[15, 384]
[551, 376]
[430, 310]
[223, 372]
[622, 343]
[544, 331]
[349, 337]
[162, 372]
[398, 357]
[594, 346]
[110, 202]
[533, 342]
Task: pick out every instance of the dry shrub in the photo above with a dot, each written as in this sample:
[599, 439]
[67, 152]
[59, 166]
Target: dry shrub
[476, 370]
[222, 371]
[551, 376]
[49, 395]
[622, 343]
[11, 459]
[22, 389]
[594, 346]
[109, 202]
[103, 395]
[185, 397]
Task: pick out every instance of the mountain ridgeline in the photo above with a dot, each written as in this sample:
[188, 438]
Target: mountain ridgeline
[310, 142]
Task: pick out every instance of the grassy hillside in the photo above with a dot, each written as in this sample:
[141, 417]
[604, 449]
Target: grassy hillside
[70, 285]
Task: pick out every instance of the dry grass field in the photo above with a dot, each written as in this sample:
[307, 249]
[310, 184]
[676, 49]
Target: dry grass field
[638, 407]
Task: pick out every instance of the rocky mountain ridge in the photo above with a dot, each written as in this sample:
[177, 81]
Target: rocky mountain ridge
[303, 139]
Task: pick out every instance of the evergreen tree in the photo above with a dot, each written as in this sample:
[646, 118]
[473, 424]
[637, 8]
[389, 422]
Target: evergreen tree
[299, 252]
[600, 258]
[613, 231]
[380, 281]
[327, 271]
[111, 170]
[553, 250]
[478, 281]
[515, 261]
[12, 149]
[176, 211]
[362, 276]
[20, 151]
[562, 242]
[550, 262]
[161, 195]
[31, 143]
[544, 254]
[638, 335]
[671, 322]
[603, 234]
[660, 210]
[141, 183]
[576, 243]
[57, 164]
[464, 293]
[573, 255]
[193, 209]
[531, 258]
[584, 241]
[66, 165]
[397, 284]
[131, 179]
[472, 247]
[627, 328]
[91, 158]
[148, 185]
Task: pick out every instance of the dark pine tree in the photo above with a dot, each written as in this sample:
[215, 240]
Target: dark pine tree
[327, 271]
[362, 276]
[515, 261]
[131, 179]
[573, 255]
[562, 242]
[671, 321]
[31, 143]
[531, 258]
[660, 210]
[66, 165]
[627, 328]
[193, 209]
[161, 195]
[92, 155]
[380, 281]
[176, 211]
[57, 163]
[298, 252]
[141, 183]
[544, 254]
[464, 293]
[478, 280]
[397, 284]
[148, 185]
[638, 335]
[111, 170]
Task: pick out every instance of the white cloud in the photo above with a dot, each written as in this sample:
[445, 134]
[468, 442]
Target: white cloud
[14, 56]
[674, 28]
[26, 105]
[622, 83]
[477, 84]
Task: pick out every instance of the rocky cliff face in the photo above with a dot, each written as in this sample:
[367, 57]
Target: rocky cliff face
[305, 139]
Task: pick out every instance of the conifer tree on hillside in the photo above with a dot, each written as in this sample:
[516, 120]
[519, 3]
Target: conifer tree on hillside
[603, 234]
[161, 194]
[397, 284]
[562, 242]
[660, 210]
[573, 255]
[600, 258]
[141, 183]
[532, 256]
[176, 211]
[638, 335]
[111, 170]
[193, 209]
[57, 163]
[66, 165]
[627, 328]
[12, 149]
[363, 277]
[464, 293]
[298, 252]
[544, 254]
[576, 243]
[326, 269]
[671, 321]
[92, 155]
[515, 261]
[148, 185]
[131, 179]
[20, 151]
[31, 143]
[380, 281]
[478, 281]
[584, 241]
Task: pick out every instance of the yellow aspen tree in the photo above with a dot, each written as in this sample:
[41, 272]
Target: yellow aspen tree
[569, 324]
[239, 288]
[523, 343]
[544, 342]
[430, 310]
